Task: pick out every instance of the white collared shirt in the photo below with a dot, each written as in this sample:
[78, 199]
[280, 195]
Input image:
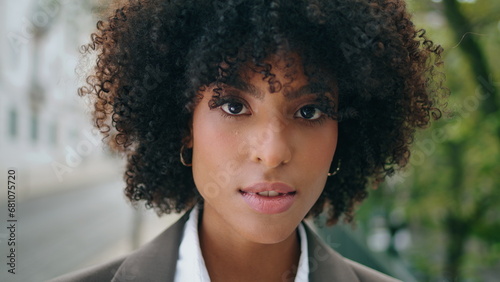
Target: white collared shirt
[191, 266]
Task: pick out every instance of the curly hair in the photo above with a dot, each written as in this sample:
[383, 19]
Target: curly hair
[154, 56]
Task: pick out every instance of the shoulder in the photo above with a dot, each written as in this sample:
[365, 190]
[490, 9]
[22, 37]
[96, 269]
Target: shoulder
[154, 261]
[102, 272]
[325, 264]
[367, 274]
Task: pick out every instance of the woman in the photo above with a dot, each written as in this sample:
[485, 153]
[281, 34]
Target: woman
[251, 116]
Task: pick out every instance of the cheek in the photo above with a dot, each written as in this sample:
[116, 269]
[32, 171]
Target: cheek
[215, 155]
[321, 146]
[214, 142]
[317, 152]
[328, 145]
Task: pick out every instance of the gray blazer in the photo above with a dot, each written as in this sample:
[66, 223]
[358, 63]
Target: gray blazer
[156, 261]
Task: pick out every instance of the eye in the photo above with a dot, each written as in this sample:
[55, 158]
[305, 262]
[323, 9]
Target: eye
[234, 108]
[309, 112]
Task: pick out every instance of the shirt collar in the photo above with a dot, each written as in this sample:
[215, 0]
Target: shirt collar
[191, 265]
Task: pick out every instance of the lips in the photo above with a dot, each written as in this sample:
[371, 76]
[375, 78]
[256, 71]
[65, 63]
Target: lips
[269, 198]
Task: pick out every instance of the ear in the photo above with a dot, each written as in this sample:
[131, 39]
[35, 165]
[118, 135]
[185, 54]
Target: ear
[188, 139]
[189, 142]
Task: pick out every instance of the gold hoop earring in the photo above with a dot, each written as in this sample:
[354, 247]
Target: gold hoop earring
[182, 157]
[337, 170]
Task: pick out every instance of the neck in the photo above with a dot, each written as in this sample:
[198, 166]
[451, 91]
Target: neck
[229, 257]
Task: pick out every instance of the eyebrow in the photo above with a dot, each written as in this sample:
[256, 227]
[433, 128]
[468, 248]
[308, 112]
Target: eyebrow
[313, 88]
[245, 87]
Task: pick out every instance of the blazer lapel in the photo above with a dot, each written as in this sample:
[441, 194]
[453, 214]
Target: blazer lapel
[324, 263]
[155, 261]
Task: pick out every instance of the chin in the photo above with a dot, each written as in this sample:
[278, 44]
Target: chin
[267, 232]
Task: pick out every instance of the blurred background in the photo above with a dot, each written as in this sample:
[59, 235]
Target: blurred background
[437, 220]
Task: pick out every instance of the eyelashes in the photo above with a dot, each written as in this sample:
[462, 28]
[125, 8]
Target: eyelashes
[231, 106]
[234, 108]
[309, 112]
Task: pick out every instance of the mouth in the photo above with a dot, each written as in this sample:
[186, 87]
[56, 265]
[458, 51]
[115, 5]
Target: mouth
[265, 188]
[269, 198]
[270, 193]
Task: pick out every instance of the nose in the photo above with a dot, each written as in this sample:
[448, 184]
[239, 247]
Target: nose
[271, 147]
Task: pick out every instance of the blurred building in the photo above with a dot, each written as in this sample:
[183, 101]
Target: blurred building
[45, 130]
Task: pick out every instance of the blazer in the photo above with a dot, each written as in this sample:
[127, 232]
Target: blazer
[157, 260]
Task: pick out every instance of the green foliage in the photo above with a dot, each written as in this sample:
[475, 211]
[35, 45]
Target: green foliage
[453, 181]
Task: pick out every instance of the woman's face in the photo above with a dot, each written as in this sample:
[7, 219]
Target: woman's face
[277, 144]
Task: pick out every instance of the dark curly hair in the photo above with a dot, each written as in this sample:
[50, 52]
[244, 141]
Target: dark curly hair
[154, 56]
